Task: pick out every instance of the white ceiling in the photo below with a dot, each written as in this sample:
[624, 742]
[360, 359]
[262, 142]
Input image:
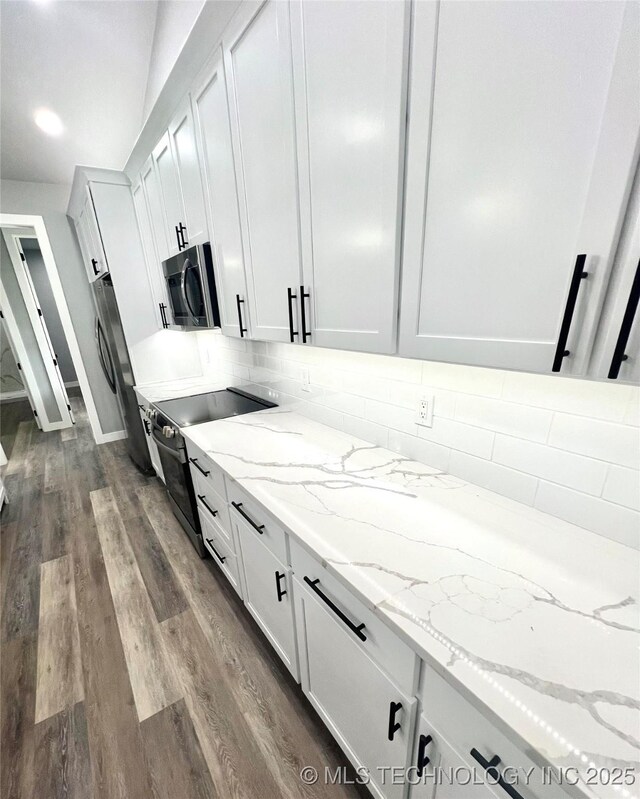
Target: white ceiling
[87, 60]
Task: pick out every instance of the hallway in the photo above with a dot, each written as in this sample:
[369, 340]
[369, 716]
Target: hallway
[129, 667]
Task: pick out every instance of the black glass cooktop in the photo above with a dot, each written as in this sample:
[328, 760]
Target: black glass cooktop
[185, 411]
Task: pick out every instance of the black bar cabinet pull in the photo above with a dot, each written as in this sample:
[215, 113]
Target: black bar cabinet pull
[491, 767]
[220, 557]
[239, 302]
[290, 298]
[94, 264]
[202, 498]
[423, 760]
[238, 507]
[178, 237]
[394, 725]
[147, 427]
[194, 461]
[619, 354]
[182, 230]
[279, 590]
[578, 275]
[163, 315]
[304, 295]
[356, 629]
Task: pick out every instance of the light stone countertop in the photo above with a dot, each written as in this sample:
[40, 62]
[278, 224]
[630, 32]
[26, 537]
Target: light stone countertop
[533, 619]
[183, 387]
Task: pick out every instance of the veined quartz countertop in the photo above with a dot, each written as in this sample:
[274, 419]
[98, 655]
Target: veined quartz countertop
[183, 387]
[533, 619]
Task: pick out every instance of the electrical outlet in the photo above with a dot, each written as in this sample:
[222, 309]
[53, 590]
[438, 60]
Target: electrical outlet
[305, 379]
[424, 415]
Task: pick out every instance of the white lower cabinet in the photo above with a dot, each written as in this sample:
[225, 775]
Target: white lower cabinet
[267, 595]
[371, 718]
[223, 555]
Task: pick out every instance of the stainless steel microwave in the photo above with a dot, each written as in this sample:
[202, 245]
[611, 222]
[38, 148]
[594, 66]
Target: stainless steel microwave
[191, 289]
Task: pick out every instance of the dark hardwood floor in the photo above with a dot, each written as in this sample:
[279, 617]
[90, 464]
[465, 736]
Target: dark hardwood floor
[129, 667]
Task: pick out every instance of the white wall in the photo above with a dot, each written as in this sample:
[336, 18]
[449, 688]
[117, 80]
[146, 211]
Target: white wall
[174, 21]
[568, 447]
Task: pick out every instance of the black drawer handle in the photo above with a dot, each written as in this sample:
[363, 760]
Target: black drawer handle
[290, 298]
[423, 760]
[394, 725]
[490, 766]
[303, 315]
[94, 264]
[194, 461]
[243, 329]
[578, 275]
[355, 628]
[619, 354]
[258, 527]
[279, 590]
[163, 315]
[220, 557]
[202, 498]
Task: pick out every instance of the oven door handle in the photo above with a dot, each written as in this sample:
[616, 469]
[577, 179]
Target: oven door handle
[177, 454]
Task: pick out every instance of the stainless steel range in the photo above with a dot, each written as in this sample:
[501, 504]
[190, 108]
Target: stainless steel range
[167, 418]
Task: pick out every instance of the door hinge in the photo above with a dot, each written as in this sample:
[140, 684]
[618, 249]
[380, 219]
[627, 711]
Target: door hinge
[19, 367]
[55, 363]
[22, 258]
[1, 315]
[35, 413]
[68, 407]
[39, 312]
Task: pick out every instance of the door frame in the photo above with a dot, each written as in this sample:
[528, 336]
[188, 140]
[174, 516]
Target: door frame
[38, 224]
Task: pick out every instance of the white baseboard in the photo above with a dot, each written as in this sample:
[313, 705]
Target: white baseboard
[107, 438]
[13, 396]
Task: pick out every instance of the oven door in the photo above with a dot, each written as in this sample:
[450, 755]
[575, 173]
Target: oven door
[180, 486]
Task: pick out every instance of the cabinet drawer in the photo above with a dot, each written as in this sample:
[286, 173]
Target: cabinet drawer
[381, 643]
[221, 553]
[202, 465]
[245, 508]
[465, 729]
[212, 505]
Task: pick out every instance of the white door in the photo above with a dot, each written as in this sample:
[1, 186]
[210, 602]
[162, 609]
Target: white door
[258, 70]
[522, 137]
[90, 240]
[151, 185]
[152, 261]
[171, 201]
[55, 409]
[350, 73]
[268, 595]
[185, 156]
[213, 134]
[360, 704]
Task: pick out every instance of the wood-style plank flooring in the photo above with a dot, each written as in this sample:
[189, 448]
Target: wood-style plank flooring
[129, 667]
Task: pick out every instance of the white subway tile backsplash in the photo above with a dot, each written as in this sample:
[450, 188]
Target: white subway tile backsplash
[555, 465]
[518, 486]
[606, 518]
[616, 443]
[504, 417]
[623, 487]
[561, 444]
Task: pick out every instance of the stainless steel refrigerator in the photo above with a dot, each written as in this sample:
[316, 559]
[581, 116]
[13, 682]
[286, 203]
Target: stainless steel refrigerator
[116, 365]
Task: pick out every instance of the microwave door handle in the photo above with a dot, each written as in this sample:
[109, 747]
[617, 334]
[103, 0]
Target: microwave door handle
[183, 288]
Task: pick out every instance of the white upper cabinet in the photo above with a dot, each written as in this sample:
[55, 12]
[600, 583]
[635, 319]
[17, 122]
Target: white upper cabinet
[89, 239]
[185, 155]
[151, 186]
[350, 69]
[258, 68]
[213, 133]
[167, 176]
[523, 135]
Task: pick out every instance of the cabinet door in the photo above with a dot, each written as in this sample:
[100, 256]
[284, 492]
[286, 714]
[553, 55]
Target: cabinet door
[151, 185]
[171, 200]
[258, 71]
[152, 262]
[185, 156]
[350, 70]
[95, 260]
[213, 133]
[522, 141]
[355, 698]
[268, 596]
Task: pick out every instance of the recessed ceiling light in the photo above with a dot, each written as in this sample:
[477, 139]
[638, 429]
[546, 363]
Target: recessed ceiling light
[48, 121]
